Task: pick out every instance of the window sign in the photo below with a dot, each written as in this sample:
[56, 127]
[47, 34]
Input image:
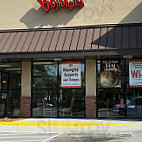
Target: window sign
[110, 74]
[135, 73]
[71, 74]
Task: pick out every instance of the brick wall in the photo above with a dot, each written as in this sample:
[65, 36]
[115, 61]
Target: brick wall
[25, 107]
[90, 102]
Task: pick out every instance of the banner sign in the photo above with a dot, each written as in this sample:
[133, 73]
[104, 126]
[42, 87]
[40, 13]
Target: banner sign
[71, 74]
[135, 73]
[55, 4]
[110, 74]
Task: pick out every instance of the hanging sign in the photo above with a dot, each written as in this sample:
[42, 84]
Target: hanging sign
[135, 73]
[71, 74]
[110, 74]
[55, 4]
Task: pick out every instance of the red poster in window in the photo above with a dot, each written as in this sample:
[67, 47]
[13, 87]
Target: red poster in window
[135, 73]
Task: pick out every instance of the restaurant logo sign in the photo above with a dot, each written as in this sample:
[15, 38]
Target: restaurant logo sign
[135, 73]
[55, 4]
[71, 74]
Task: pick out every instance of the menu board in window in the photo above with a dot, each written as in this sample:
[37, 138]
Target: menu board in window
[110, 74]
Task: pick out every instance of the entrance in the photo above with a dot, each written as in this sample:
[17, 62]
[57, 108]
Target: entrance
[10, 75]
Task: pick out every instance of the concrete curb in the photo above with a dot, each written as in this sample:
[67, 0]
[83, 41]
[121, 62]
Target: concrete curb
[65, 124]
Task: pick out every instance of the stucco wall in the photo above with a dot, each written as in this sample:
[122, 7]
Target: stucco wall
[90, 77]
[22, 14]
[26, 78]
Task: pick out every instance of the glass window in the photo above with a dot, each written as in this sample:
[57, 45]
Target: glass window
[44, 103]
[72, 103]
[113, 100]
[10, 89]
[45, 89]
[49, 99]
[110, 92]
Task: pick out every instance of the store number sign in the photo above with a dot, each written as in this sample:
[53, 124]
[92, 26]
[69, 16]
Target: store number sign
[55, 4]
[135, 73]
[71, 74]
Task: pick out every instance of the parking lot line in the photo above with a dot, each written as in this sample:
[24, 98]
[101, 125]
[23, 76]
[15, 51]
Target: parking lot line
[27, 137]
[52, 137]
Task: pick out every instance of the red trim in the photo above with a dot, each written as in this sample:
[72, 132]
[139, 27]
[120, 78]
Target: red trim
[71, 62]
[136, 86]
[135, 60]
[70, 86]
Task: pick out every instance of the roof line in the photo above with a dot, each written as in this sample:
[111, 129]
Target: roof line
[72, 28]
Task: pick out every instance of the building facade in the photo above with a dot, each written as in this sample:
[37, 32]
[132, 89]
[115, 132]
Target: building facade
[71, 59]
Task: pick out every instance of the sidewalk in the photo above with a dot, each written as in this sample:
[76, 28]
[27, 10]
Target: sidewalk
[72, 125]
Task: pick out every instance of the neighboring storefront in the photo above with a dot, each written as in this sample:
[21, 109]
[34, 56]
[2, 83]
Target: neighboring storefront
[71, 59]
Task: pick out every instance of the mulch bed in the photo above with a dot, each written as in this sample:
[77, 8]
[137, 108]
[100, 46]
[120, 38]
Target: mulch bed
[10, 119]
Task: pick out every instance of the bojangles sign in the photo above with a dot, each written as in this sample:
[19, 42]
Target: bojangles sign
[55, 4]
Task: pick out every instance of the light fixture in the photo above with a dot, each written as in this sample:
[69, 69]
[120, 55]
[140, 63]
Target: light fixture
[98, 61]
[4, 81]
[13, 69]
[42, 63]
[57, 59]
[128, 56]
[5, 65]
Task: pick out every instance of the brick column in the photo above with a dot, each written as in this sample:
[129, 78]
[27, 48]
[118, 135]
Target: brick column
[25, 107]
[90, 99]
[90, 106]
[25, 104]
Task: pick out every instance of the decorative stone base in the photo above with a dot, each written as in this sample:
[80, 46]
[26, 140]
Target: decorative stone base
[90, 102]
[25, 107]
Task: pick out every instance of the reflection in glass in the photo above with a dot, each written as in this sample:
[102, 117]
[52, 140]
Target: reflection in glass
[134, 102]
[10, 79]
[111, 103]
[110, 92]
[71, 103]
[44, 103]
[48, 99]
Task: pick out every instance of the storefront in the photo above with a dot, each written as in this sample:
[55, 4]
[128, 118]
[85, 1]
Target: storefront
[71, 59]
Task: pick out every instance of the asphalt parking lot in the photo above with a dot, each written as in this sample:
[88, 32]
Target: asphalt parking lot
[27, 136]
[60, 137]
[71, 130]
